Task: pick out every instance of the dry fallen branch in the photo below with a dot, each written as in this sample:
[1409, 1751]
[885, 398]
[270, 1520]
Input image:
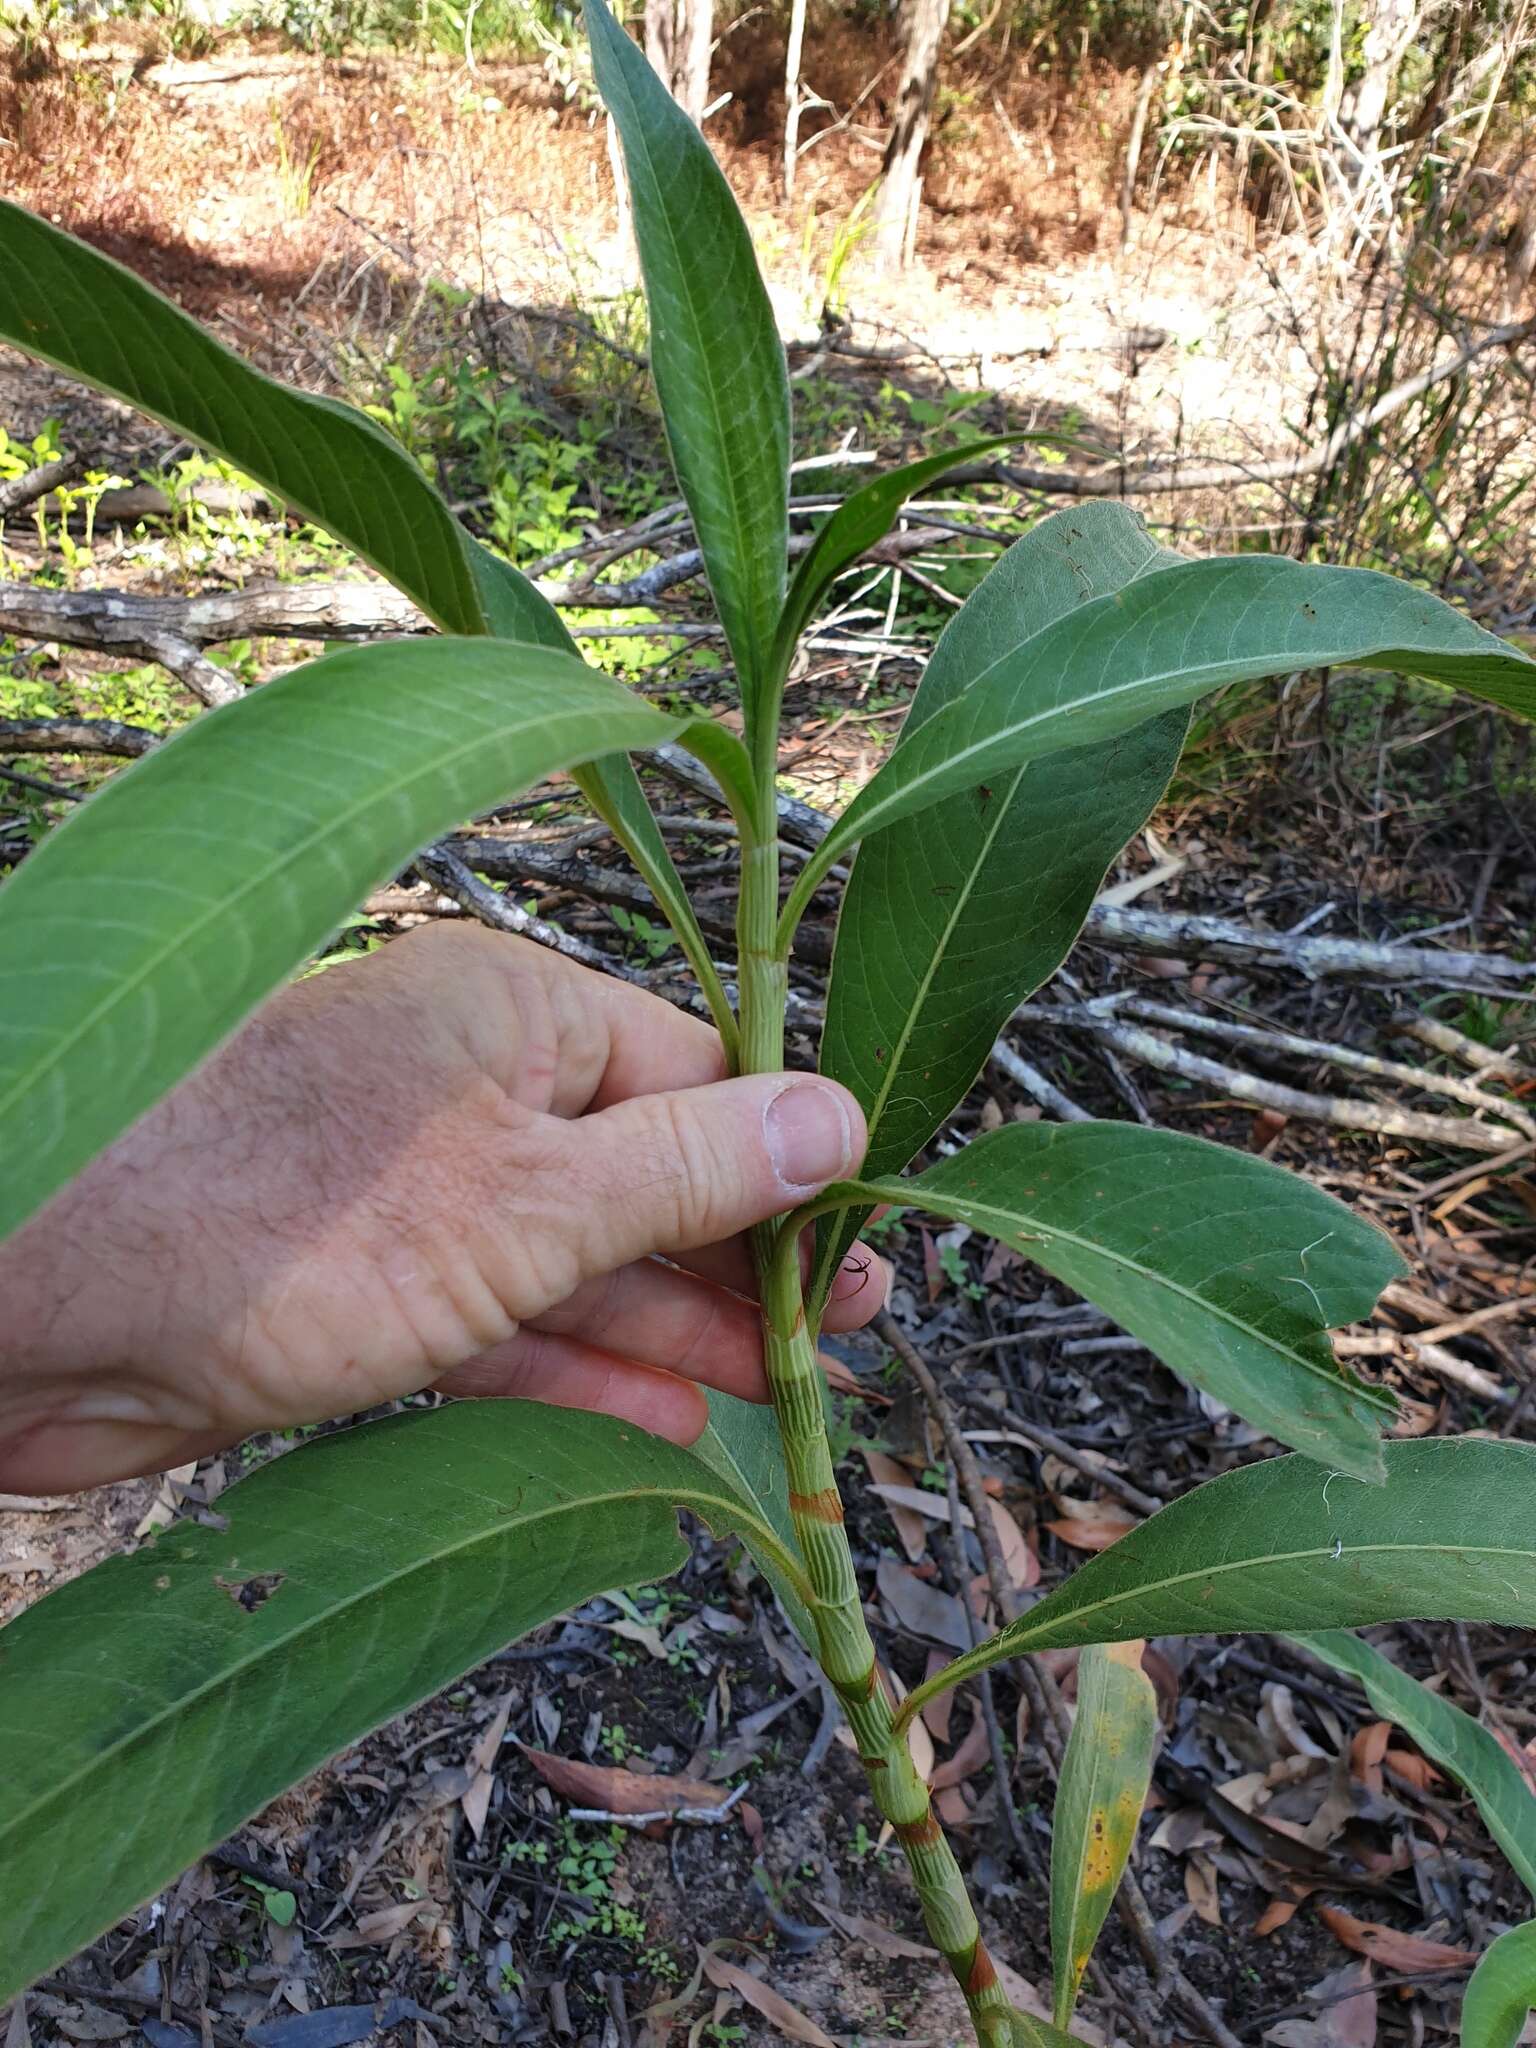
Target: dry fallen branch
[21, 491]
[1148, 1049]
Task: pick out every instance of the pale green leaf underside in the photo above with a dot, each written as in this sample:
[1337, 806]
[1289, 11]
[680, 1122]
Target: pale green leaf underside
[1165, 640]
[1502, 1991]
[1284, 1546]
[945, 928]
[1447, 1736]
[1099, 1798]
[146, 1697]
[1230, 1269]
[715, 350]
[156, 917]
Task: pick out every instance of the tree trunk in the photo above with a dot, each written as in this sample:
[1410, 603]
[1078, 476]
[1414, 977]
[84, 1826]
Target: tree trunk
[679, 36]
[793, 107]
[1391, 26]
[923, 24]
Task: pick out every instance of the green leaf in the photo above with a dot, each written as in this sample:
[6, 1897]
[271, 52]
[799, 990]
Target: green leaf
[1451, 1535]
[171, 1693]
[1161, 642]
[64, 301]
[1450, 1738]
[945, 929]
[1103, 1787]
[1501, 1992]
[156, 917]
[716, 357]
[864, 517]
[743, 1445]
[1230, 1269]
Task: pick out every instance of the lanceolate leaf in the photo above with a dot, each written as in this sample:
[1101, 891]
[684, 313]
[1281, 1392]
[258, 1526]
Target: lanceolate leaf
[742, 1444]
[152, 921]
[1166, 639]
[1103, 1788]
[945, 928]
[1451, 1738]
[864, 517]
[715, 355]
[1231, 1270]
[1280, 1545]
[64, 301]
[171, 1693]
[1501, 1992]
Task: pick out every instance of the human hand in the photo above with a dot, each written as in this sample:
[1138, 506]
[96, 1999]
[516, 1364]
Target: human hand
[452, 1164]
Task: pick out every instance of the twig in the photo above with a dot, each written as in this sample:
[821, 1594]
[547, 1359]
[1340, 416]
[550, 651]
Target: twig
[443, 869]
[1033, 1436]
[75, 736]
[1230, 1032]
[696, 1816]
[1039, 1087]
[1464, 1133]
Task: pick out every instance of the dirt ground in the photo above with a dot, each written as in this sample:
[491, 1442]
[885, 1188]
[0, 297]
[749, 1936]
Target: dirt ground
[440, 1892]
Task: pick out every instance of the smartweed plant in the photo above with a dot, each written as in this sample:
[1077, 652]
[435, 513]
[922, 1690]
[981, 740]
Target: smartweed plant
[395, 1556]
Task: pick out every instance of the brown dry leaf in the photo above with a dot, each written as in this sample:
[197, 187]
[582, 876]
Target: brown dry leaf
[477, 1798]
[939, 1711]
[1201, 1889]
[18, 2034]
[792, 2024]
[925, 1609]
[877, 1936]
[1277, 1914]
[1099, 1525]
[968, 1758]
[1415, 1418]
[1279, 1724]
[1390, 1947]
[1367, 1751]
[620, 1791]
[952, 1807]
[1022, 1565]
[1021, 1724]
[1346, 2016]
[909, 1524]
[1413, 1769]
[379, 1926]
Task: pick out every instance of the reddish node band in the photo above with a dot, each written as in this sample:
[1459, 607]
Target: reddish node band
[981, 1975]
[918, 1834]
[825, 1506]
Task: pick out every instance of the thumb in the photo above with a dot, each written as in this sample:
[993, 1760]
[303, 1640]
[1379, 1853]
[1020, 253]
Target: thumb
[667, 1173]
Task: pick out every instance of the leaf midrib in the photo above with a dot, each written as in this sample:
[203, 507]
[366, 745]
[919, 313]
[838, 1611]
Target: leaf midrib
[292, 853]
[1009, 1644]
[1049, 1231]
[735, 1513]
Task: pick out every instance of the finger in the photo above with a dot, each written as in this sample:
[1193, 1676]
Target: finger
[671, 1173]
[569, 1374]
[654, 1314]
[863, 1277]
[858, 1290]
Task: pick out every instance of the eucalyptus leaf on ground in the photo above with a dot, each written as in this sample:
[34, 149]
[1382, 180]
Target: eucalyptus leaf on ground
[171, 1693]
[143, 930]
[1099, 1797]
[1450, 1738]
[944, 929]
[1231, 1270]
[1283, 1545]
[1501, 1992]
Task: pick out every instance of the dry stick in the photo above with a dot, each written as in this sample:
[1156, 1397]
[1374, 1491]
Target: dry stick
[75, 736]
[1465, 1133]
[1046, 1702]
[1033, 1436]
[1231, 1032]
[441, 867]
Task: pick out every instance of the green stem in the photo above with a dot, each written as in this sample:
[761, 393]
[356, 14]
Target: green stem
[843, 1645]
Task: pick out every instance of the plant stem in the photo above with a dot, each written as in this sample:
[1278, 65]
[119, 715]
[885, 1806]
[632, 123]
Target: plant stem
[843, 1645]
